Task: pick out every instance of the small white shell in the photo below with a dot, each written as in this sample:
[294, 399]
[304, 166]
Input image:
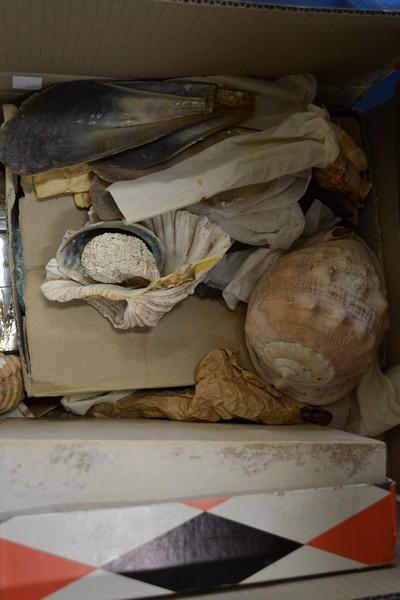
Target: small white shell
[11, 382]
[193, 245]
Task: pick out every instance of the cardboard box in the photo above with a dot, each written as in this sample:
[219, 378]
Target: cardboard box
[82, 465]
[199, 544]
[71, 348]
[260, 504]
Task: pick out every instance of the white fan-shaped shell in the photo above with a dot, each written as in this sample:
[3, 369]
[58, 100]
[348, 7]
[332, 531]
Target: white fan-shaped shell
[316, 319]
[192, 247]
[11, 382]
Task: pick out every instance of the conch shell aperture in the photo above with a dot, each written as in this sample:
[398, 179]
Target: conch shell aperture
[316, 319]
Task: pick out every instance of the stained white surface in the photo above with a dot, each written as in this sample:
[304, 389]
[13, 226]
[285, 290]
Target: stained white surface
[46, 465]
[148, 429]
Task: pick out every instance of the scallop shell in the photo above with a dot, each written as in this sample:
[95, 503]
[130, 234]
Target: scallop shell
[193, 245]
[11, 382]
[316, 319]
[70, 252]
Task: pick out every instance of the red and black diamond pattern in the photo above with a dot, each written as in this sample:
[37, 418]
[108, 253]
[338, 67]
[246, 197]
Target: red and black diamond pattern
[145, 551]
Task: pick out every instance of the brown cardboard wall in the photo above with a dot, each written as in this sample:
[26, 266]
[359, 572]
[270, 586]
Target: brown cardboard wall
[382, 126]
[163, 38]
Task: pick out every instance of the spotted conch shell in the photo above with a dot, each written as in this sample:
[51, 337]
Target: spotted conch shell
[11, 382]
[316, 319]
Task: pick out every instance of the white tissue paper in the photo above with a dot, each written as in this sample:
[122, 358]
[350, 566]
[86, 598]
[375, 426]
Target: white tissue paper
[246, 277]
[223, 272]
[79, 404]
[238, 272]
[319, 218]
[375, 406]
[292, 139]
[268, 214]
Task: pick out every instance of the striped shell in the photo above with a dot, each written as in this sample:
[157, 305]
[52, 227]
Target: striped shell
[11, 382]
[316, 319]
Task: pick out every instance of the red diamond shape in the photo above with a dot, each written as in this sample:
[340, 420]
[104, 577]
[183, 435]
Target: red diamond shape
[369, 536]
[30, 574]
[206, 503]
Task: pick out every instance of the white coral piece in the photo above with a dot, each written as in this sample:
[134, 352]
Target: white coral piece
[118, 258]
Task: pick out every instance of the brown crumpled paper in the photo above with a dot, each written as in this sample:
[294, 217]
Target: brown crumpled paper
[224, 391]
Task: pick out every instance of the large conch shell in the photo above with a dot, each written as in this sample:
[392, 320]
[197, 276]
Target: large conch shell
[316, 318]
[11, 382]
[192, 245]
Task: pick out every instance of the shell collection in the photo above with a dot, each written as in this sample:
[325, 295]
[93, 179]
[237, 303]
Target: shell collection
[183, 246]
[316, 319]
[11, 382]
[318, 313]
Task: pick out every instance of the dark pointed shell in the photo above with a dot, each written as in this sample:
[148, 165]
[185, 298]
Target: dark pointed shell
[76, 121]
[159, 154]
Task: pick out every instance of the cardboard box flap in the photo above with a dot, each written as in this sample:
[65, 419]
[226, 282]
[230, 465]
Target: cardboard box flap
[158, 38]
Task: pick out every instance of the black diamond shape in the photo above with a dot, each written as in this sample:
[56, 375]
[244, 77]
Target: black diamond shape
[205, 552]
